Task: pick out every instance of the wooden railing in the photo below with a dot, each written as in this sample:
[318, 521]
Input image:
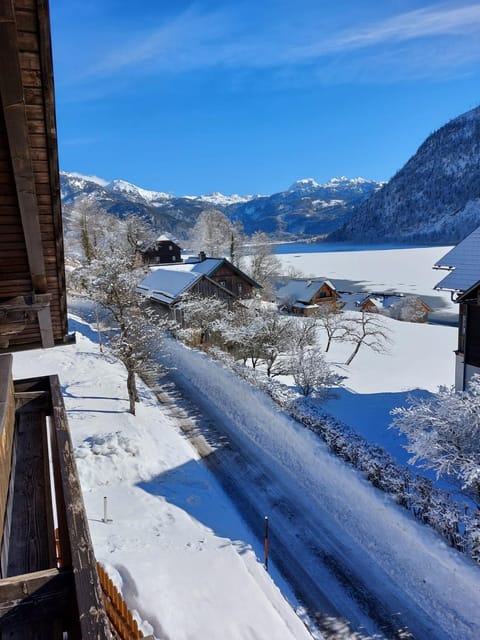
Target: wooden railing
[123, 624]
[39, 596]
[7, 423]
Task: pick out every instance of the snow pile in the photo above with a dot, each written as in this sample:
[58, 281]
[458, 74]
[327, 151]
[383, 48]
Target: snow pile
[411, 555]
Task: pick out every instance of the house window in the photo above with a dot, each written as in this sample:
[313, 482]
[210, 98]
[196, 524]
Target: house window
[223, 283]
[170, 247]
[240, 288]
[323, 294]
[173, 258]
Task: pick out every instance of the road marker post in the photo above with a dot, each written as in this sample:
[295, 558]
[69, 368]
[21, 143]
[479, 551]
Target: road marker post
[265, 544]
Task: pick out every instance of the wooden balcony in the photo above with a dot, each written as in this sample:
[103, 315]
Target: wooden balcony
[49, 588]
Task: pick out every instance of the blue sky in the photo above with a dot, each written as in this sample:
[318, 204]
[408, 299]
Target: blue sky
[249, 96]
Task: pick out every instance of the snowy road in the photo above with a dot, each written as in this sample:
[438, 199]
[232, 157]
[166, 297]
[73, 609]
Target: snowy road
[345, 547]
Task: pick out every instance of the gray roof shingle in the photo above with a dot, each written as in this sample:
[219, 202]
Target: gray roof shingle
[463, 261]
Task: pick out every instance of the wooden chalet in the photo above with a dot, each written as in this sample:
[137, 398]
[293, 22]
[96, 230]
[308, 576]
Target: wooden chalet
[463, 281]
[49, 582]
[202, 276]
[305, 296]
[163, 251]
[396, 305]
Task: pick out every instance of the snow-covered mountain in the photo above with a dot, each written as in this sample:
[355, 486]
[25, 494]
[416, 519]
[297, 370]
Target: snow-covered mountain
[434, 198]
[307, 208]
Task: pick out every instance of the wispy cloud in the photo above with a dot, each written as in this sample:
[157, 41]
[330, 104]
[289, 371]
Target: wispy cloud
[231, 39]
[422, 23]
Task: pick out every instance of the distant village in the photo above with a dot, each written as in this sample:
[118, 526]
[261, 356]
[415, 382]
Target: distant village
[172, 278]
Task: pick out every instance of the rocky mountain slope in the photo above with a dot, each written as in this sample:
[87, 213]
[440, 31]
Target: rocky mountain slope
[434, 198]
[306, 209]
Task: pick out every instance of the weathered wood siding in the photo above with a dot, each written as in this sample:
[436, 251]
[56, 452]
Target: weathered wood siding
[233, 281]
[163, 252]
[205, 287]
[33, 49]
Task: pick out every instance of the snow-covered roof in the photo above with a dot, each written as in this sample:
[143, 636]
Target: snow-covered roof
[301, 305]
[378, 303]
[463, 261]
[165, 237]
[302, 290]
[166, 285]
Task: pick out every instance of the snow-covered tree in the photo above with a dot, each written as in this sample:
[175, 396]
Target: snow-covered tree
[109, 277]
[273, 336]
[310, 371]
[367, 329]
[199, 316]
[443, 432]
[111, 283]
[303, 332]
[408, 309]
[213, 233]
[264, 266]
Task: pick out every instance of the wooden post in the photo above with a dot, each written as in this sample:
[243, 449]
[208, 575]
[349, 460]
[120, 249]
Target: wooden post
[265, 544]
[105, 518]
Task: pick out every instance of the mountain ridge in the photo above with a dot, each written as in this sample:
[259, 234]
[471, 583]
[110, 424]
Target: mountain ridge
[433, 198]
[306, 208]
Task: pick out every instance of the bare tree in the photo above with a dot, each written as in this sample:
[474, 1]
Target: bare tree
[370, 330]
[138, 233]
[333, 322]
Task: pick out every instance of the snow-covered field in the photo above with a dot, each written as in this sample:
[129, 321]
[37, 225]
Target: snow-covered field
[400, 270]
[188, 579]
[420, 357]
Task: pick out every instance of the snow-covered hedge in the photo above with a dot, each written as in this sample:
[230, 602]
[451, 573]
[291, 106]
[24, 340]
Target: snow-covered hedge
[458, 523]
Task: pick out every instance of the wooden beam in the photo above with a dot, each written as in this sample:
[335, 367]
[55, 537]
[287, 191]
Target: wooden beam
[36, 606]
[36, 589]
[73, 526]
[46, 65]
[23, 305]
[46, 329]
[14, 107]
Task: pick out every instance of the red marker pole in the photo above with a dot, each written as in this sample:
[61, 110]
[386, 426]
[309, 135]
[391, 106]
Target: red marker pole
[265, 544]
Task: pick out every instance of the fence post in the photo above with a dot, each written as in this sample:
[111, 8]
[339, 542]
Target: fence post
[265, 544]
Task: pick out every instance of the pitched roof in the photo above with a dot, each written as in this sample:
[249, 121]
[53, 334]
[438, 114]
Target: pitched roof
[166, 283]
[165, 237]
[463, 262]
[302, 290]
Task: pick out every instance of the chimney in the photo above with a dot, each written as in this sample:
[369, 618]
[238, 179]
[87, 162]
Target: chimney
[202, 256]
